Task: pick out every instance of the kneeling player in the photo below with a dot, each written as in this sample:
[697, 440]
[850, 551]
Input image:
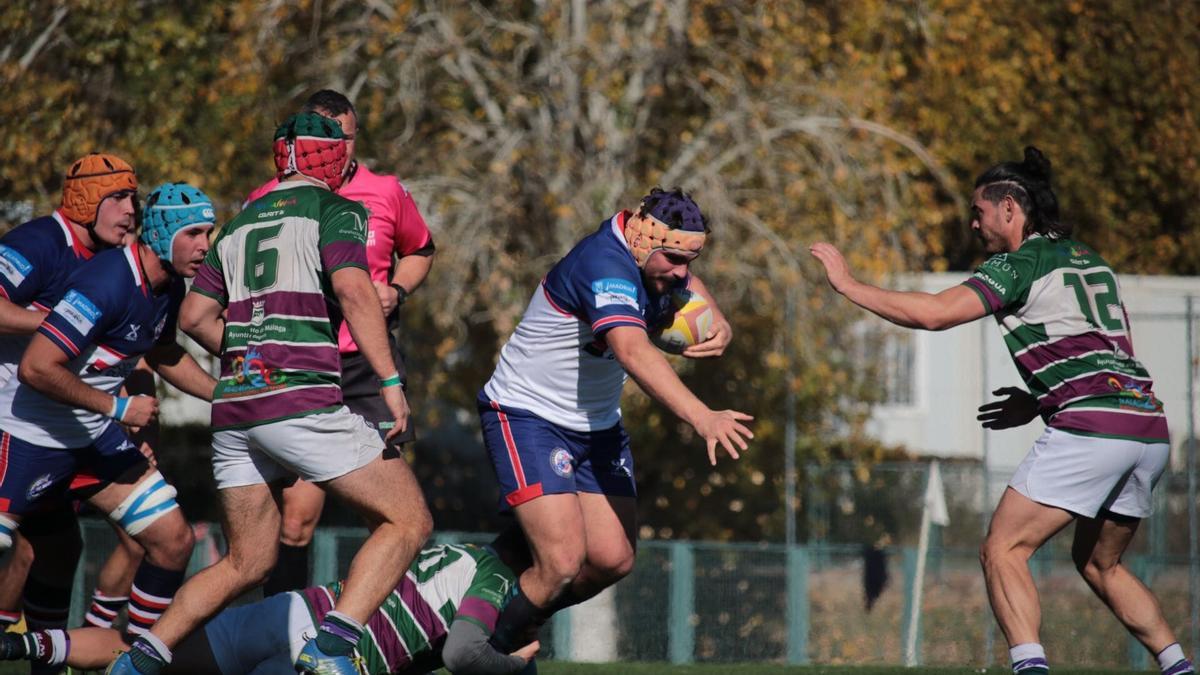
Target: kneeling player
[441, 614]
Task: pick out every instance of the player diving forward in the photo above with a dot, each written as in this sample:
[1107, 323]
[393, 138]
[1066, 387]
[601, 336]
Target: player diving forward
[59, 415]
[440, 614]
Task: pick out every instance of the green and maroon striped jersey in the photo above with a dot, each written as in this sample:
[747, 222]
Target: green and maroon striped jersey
[444, 584]
[1060, 312]
[271, 267]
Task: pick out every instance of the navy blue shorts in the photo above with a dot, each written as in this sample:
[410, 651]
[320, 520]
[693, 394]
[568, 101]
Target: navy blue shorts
[533, 457]
[32, 476]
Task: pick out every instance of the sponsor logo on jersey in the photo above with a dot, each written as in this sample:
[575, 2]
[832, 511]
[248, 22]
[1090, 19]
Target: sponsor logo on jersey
[615, 292]
[560, 461]
[251, 373]
[13, 265]
[132, 334]
[1133, 395]
[38, 486]
[1000, 264]
[996, 285]
[78, 310]
[277, 204]
[355, 227]
[158, 327]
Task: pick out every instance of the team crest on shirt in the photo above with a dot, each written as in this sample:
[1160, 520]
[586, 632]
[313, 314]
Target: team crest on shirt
[560, 461]
[38, 486]
[258, 312]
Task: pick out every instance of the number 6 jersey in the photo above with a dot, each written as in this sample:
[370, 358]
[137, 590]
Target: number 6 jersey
[271, 268]
[1061, 315]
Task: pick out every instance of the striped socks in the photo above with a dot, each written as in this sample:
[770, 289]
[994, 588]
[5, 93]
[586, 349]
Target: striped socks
[104, 609]
[153, 588]
[1029, 659]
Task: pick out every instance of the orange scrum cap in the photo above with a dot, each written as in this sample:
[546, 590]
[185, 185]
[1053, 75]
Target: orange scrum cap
[666, 219]
[92, 179]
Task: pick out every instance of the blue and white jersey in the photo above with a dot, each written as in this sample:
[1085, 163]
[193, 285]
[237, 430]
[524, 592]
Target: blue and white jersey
[35, 260]
[106, 320]
[557, 364]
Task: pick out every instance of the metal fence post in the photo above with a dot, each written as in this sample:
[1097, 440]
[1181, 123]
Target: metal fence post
[1137, 653]
[1193, 526]
[562, 635]
[75, 615]
[797, 604]
[910, 585]
[681, 633]
[324, 565]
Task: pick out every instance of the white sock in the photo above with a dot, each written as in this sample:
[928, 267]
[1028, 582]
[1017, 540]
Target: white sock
[1026, 651]
[1170, 656]
[164, 652]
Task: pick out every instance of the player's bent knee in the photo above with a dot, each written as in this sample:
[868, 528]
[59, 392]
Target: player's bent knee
[8, 530]
[617, 568]
[297, 531]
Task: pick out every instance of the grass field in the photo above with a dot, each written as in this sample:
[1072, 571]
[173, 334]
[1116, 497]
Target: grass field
[555, 668]
[551, 668]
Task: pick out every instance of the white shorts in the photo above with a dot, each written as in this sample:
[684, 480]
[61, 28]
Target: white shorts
[1084, 474]
[315, 447]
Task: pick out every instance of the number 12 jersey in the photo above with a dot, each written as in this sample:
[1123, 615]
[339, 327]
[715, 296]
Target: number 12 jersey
[1060, 313]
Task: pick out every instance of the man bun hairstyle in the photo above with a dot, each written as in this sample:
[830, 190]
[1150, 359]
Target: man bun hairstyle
[1028, 183]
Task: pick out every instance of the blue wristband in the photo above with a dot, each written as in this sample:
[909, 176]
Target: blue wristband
[120, 405]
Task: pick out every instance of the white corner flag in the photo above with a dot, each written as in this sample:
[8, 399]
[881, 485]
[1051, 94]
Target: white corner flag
[933, 512]
[935, 496]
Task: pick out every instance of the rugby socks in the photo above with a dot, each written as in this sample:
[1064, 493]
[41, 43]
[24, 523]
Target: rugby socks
[338, 634]
[1029, 659]
[1171, 661]
[47, 647]
[9, 619]
[148, 654]
[104, 610]
[290, 573]
[153, 588]
[518, 616]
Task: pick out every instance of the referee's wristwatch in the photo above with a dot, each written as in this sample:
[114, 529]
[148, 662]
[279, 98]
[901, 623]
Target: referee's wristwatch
[401, 294]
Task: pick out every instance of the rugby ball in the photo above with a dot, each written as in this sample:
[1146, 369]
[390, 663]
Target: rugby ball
[693, 317]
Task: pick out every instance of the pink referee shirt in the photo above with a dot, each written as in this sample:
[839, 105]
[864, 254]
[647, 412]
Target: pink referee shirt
[394, 225]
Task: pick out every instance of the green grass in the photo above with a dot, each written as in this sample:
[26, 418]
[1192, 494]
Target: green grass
[552, 668]
[555, 668]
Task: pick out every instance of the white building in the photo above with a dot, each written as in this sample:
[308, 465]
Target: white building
[935, 381]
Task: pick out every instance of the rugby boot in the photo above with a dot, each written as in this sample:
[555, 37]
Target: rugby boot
[313, 660]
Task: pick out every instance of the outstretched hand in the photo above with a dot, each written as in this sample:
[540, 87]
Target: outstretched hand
[724, 427]
[1017, 410]
[837, 272]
